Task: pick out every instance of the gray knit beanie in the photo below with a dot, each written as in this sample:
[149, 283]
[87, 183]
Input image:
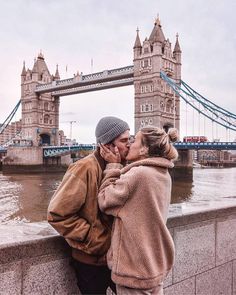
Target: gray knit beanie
[108, 128]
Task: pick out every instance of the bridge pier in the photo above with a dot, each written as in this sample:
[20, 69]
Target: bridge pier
[183, 166]
[185, 159]
[31, 160]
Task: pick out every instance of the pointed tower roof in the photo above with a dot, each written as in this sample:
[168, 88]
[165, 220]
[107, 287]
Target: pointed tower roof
[23, 73]
[57, 75]
[40, 65]
[177, 47]
[157, 33]
[137, 43]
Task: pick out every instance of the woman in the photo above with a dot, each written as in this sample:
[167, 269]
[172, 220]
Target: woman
[138, 196]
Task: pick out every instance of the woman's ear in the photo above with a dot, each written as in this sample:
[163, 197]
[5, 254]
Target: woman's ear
[143, 151]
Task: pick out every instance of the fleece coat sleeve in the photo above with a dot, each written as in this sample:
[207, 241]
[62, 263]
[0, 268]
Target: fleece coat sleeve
[65, 205]
[114, 191]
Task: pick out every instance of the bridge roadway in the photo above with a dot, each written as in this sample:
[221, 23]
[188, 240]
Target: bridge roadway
[85, 83]
[54, 151]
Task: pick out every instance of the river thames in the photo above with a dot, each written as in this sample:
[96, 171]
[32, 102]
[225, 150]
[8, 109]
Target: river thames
[25, 197]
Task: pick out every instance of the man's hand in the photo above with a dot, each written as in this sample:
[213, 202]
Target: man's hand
[111, 156]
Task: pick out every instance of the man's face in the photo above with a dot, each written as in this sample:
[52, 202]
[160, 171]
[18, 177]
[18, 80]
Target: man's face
[122, 143]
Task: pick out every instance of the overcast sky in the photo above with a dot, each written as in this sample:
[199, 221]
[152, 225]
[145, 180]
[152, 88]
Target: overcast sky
[71, 33]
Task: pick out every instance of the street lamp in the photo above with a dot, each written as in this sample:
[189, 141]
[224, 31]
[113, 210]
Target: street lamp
[71, 123]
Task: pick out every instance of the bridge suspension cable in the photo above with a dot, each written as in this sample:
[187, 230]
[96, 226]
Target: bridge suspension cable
[202, 105]
[9, 118]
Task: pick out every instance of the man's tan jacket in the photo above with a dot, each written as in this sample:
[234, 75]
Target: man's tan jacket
[74, 212]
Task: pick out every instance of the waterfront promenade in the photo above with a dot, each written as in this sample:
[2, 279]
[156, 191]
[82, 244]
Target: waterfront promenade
[35, 260]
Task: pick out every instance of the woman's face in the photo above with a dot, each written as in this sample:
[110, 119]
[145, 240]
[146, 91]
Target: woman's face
[137, 151]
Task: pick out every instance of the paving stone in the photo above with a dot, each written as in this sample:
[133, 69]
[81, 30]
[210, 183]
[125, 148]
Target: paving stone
[49, 275]
[195, 249]
[186, 287]
[217, 281]
[10, 279]
[226, 239]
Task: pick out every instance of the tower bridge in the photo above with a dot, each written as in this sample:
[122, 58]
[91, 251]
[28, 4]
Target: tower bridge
[155, 102]
[158, 89]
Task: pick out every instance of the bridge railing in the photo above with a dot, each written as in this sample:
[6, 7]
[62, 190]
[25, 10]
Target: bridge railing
[86, 78]
[92, 87]
[206, 145]
[53, 151]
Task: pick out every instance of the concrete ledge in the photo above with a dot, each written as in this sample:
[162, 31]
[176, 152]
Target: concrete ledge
[197, 244]
[35, 260]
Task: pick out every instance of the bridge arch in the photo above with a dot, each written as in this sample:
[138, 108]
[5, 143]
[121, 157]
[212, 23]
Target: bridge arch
[44, 139]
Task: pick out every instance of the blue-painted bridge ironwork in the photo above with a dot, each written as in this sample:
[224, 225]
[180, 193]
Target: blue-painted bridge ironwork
[3, 150]
[205, 145]
[55, 151]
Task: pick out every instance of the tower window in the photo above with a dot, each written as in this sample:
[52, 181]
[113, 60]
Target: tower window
[168, 106]
[46, 119]
[146, 63]
[146, 107]
[46, 106]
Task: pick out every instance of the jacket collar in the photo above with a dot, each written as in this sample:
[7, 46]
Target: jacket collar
[155, 162]
[102, 163]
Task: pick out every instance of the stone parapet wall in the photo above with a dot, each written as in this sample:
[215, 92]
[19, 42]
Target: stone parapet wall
[205, 261]
[37, 264]
[35, 260]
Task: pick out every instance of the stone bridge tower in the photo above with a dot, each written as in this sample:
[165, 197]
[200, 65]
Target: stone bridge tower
[155, 102]
[40, 113]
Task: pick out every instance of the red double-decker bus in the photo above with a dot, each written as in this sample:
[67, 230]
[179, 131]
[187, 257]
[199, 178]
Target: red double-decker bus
[195, 139]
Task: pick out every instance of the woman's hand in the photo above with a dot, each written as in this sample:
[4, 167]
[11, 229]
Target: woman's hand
[110, 155]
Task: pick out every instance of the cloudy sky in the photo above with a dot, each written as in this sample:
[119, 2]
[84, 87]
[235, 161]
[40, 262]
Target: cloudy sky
[71, 33]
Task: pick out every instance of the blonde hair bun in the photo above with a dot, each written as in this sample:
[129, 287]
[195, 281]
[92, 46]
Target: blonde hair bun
[173, 134]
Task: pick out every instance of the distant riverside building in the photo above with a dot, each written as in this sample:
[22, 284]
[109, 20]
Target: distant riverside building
[213, 155]
[10, 132]
[155, 102]
[62, 138]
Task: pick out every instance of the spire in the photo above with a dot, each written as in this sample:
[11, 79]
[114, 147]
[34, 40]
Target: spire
[57, 75]
[137, 43]
[157, 33]
[39, 64]
[177, 47]
[23, 73]
[40, 55]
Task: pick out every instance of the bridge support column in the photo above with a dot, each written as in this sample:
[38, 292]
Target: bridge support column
[30, 160]
[185, 159]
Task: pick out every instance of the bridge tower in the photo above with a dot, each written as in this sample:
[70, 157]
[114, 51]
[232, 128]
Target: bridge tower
[155, 102]
[40, 113]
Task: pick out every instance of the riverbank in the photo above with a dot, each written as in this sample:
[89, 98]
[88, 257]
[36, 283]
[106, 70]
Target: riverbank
[24, 169]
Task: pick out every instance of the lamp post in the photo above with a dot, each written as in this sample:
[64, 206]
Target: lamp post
[71, 123]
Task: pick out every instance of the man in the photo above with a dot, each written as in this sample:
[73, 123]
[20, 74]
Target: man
[74, 212]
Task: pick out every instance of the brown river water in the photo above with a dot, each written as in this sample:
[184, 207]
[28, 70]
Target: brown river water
[25, 197]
